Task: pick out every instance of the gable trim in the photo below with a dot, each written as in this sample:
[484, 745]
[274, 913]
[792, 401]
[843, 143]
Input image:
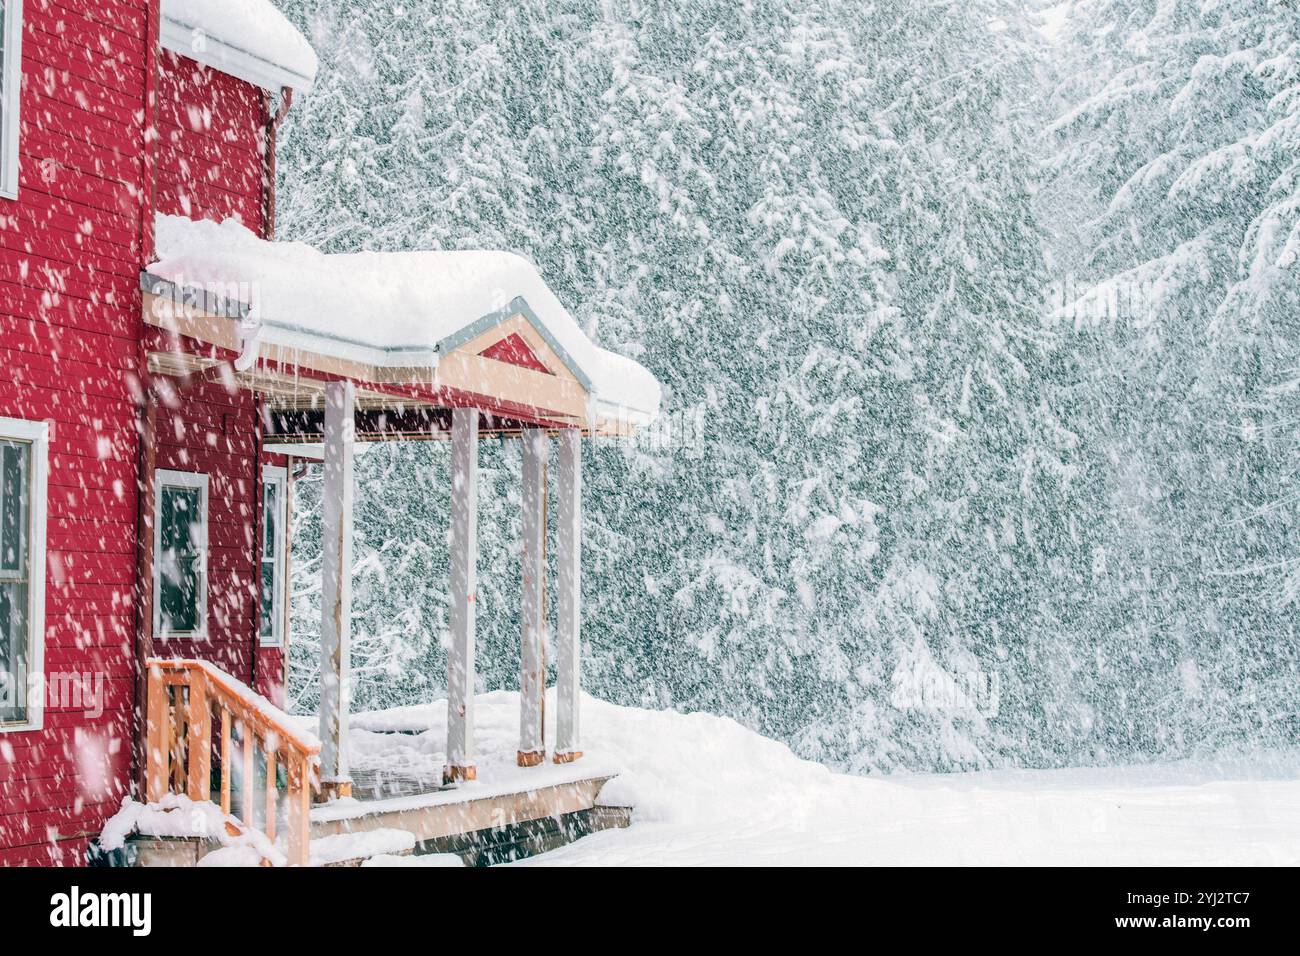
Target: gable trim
[517, 306]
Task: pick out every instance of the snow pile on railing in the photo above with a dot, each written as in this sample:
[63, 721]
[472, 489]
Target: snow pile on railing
[303, 737]
[294, 731]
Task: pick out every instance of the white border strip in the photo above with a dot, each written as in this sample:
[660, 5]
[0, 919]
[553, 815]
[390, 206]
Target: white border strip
[11, 91]
[38, 433]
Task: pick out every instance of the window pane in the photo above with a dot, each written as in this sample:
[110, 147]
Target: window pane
[180, 526]
[268, 599]
[13, 651]
[8, 99]
[180, 592]
[14, 489]
[270, 503]
[180, 518]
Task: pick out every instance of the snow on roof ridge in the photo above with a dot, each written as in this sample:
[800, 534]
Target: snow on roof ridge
[398, 306]
[250, 39]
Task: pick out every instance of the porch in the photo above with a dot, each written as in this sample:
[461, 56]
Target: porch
[507, 812]
[263, 789]
[476, 369]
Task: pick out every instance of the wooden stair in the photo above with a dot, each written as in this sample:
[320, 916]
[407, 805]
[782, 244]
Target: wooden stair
[190, 702]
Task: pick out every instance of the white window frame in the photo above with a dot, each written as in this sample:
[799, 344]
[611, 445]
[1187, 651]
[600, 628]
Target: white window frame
[37, 434]
[180, 479]
[279, 476]
[11, 82]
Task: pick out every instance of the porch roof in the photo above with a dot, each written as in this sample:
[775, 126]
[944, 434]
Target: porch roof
[483, 322]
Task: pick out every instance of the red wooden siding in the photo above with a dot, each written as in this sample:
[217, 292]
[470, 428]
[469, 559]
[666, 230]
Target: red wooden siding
[211, 432]
[213, 137]
[71, 251]
[69, 333]
[211, 165]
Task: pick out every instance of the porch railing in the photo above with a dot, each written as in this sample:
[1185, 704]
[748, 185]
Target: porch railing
[187, 700]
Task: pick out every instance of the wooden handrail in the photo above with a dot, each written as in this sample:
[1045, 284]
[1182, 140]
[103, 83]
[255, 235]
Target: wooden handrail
[182, 695]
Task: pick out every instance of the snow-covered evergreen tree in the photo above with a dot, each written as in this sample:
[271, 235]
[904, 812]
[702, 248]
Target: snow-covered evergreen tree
[1176, 195]
[812, 222]
[819, 225]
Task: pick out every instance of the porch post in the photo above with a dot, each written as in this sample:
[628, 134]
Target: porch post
[569, 612]
[532, 656]
[336, 590]
[464, 587]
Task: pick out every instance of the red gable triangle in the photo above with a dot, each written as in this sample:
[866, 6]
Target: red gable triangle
[513, 350]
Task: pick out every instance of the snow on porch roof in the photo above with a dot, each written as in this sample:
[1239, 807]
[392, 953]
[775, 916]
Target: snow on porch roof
[393, 308]
[249, 39]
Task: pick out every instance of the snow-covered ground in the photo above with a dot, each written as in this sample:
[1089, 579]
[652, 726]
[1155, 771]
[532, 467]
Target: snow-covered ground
[708, 791]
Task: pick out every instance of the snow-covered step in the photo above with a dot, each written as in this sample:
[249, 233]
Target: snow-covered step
[428, 859]
[354, 849]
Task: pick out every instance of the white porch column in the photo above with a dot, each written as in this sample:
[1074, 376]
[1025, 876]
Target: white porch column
[336, 589]
[569, 613]
[464, 587]
[532, 656]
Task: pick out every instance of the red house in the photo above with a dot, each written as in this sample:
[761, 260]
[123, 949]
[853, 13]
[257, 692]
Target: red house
[166, 361]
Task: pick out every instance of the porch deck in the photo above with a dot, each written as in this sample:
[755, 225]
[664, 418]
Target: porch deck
[265, 770]
[507, 812]
[483, 822]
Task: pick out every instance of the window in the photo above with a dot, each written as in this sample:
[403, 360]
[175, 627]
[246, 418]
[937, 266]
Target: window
[11, 43]
[180, 563]
[275, 523]
[24, 449]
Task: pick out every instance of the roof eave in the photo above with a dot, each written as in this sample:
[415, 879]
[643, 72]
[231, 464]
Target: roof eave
[290, 336]
[228, 58]
[400, 356]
